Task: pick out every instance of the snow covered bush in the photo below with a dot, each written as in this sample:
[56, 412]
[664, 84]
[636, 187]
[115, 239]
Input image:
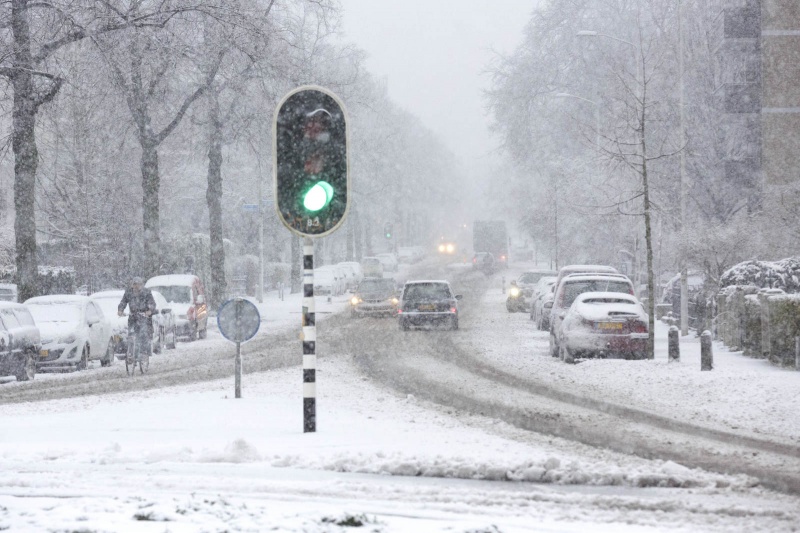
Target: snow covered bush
[783, 274]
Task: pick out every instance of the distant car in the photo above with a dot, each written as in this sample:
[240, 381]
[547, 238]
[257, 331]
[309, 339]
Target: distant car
[409, 254]
[73, 330]
[186, 297]
[19, 342]
[328, 280]
[389, 262]
[426, 303]
[603, 324]
[8, 292]
[542, 302]
[484, 261]
[372, 267]
[374, 297]
[575, 284]
[165, 331]
[521, 291]
[355, 273]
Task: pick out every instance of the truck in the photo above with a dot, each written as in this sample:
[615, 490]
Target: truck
[491, 236]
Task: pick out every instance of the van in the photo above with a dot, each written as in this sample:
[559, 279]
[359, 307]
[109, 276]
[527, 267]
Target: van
[187, 299]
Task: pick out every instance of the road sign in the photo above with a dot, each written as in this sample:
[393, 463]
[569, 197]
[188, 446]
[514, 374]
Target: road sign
[312, 186]
[238, 320]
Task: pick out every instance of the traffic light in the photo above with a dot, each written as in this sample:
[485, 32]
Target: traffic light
[387, 230]
[312, 186]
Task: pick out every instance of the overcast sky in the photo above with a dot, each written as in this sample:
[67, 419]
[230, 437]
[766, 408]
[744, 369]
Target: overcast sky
[433, 54]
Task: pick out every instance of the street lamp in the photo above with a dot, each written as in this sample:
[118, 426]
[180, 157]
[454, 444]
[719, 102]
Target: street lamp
[596, 113]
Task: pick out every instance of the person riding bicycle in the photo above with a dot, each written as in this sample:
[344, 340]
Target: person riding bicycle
[140, 300]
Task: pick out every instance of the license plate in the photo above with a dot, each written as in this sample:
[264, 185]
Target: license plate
[610, 325]
[44, 353]
[427, 307]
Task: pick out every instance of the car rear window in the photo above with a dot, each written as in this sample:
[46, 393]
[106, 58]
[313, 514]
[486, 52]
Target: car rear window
[179, 294]
[24, 317]
[572, 289]
[427, 291]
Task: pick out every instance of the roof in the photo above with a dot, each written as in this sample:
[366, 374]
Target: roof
[588, 268]
[186, 280]
[10, 305]
[615, 295]
[596, 275]
[57, 298]
[411, 282]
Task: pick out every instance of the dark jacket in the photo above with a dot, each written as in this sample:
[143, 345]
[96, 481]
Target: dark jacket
[138, 302]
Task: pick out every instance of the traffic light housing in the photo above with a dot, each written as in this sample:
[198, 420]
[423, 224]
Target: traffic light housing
[312, 187]
[387, 230]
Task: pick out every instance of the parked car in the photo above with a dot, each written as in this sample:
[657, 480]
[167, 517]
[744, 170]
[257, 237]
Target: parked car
[19, 342]
[354, 271]
[584, 269]
[328, 280]
[186, 297]
[372, 267]
[389, 262]
[484, 261]
[603, 324]
[375, 297]
[8, 292]
[426, 303]
[73, 330]
[164, 328]
[521, 292]
[542, 302]
[575, 284]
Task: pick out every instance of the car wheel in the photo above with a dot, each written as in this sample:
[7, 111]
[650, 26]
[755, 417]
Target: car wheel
[27, 367]
[192, 332]
[403, 325]
[203, 333]
[158, 346]
[553, 346]
[109, 358]
[566, 355]
[171, 344]
[454, 323]
[83, 364]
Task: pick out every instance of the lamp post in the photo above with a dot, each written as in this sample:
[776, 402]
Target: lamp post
[596, 113]
[684, 270]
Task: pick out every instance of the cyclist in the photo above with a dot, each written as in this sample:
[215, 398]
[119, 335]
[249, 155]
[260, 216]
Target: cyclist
[140, 300]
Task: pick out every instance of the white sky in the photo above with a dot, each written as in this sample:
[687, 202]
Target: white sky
[433, 53]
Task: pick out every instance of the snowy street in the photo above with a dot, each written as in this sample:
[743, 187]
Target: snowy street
[458, 428]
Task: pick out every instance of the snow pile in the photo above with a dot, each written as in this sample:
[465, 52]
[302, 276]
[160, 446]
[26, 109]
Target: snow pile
[783, 274]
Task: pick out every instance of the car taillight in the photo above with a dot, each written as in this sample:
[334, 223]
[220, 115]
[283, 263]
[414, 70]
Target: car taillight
[502, 258]
[589, 323]
[399, 311]
[638, 326]
[474, 259]
[453, 309]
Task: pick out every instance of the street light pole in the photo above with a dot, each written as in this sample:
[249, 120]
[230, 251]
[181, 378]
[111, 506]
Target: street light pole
[684, 270]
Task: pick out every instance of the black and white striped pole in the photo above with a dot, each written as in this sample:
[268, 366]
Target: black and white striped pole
[312, 197]
[309, 340]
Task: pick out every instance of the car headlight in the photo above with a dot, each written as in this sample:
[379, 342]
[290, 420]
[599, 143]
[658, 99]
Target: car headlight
[354, 300]
[69, 339]
[395, 301]
[514, 292]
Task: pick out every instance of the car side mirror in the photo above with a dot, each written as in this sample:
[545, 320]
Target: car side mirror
[514, 282]
[166, 311]
[201, 299]
[562, 314]
[459, 296]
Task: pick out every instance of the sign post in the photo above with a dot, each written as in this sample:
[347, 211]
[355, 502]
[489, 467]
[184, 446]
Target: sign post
[238, 320]
[312, 197]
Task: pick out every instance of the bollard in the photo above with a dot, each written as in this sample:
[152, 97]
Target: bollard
[706, 356]
[797, 353]
[674, 344]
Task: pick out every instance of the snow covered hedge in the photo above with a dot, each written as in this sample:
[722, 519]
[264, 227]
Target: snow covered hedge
[783, 274]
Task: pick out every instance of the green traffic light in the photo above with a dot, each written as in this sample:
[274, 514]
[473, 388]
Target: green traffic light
[318, 196]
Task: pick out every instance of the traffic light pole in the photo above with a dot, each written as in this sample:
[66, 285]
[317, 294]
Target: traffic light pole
[309, 340]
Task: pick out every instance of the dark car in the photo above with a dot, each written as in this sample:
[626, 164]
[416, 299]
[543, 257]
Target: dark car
[19, 342]
[521, 292]
[428, 303]
[484, 261]
[374, 297]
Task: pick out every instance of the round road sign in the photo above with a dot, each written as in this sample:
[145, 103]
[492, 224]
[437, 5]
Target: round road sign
[238, 319]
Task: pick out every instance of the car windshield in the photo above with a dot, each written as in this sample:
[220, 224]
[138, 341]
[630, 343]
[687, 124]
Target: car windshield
[55, 312]
[600, 301]
[573, 289]
[179, 294]
[530, 278]
[109, 306]
[427, 291]
[373, 286]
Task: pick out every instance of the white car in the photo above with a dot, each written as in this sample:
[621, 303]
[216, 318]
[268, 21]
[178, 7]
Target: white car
[19, 341]
[354, 271]
[328, 280]
[603, 324]
[73, 331]
[389, 262]
[164, 328]
[372, 267]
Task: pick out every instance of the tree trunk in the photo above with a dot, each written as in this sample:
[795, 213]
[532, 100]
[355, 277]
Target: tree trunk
[648, 234]
[26, 155]
[214, 200]
[368, 236]
[150, 186]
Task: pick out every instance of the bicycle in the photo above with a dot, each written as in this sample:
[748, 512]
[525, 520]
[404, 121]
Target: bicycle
[138, 336]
